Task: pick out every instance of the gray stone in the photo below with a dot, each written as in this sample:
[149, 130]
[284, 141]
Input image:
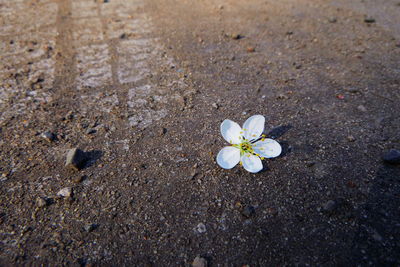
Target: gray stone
[201, 228]
[48, 136]
[331, 205]
[90, 227]
[392, 156]
[75, 159]
[332, 20]
[199, 262]
[90, 131]
[65, 192]
[362, 108]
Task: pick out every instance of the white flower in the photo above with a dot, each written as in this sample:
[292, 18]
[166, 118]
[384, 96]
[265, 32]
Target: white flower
[248, 145]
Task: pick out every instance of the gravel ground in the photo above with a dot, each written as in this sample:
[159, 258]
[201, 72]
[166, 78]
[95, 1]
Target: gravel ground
[141, 87]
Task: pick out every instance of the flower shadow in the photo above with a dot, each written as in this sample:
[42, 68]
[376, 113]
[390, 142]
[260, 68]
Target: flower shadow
[279, 131]
[275, 133]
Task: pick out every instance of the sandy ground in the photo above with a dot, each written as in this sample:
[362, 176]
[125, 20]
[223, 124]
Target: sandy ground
[142, 87]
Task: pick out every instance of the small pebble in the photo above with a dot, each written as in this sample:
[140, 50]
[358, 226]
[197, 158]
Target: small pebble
[362, 108]
[236, 36]
[65, 192]
[193, 174]
[377, 237]
[48, 136]
[199, 262]
[90, 131]
[351, 138]
[282, 96]
[369, 20]
[215, 105]
[331, 205]
[251, 49]
[392, 156]
[310, 163]
[248, 211]
[69, 116]
[90, 227]
[40, 202]
[75, 159]
[332, 20]
[79, 179]
[163, 131]
[201, 228]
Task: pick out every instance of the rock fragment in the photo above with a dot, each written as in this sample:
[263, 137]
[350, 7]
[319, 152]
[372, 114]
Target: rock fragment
[236, 36]
[351, 138]
[392, 156]
[48, 136]
[332, 20]
[41, 202]
[75, 159]
[79, 179]
[65, 192]
[330, 206]
[201, 228]
[248, 211]
[90, 227]
[199, 262]
[251, 49]
[369, 20]
[362, 108]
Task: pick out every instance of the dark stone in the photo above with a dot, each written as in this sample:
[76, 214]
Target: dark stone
[329, 206]
[91, 227]
[76, 158]
[163, 131]
[369, 20]
[392, 156]
[332, 20]
[248, 211]
[90, 131]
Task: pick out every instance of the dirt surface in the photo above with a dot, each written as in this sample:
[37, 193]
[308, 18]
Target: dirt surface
[142, 87]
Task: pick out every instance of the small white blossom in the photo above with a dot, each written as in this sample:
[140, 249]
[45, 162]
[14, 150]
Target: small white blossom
[248, 145]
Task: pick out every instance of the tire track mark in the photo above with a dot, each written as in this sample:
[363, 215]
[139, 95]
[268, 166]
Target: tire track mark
[27, 57]
[136, 53]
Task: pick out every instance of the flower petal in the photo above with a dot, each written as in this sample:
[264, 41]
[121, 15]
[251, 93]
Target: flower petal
[268, 148]
[228, 157]
[251, 163]
[231, 131]
[253, 127]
